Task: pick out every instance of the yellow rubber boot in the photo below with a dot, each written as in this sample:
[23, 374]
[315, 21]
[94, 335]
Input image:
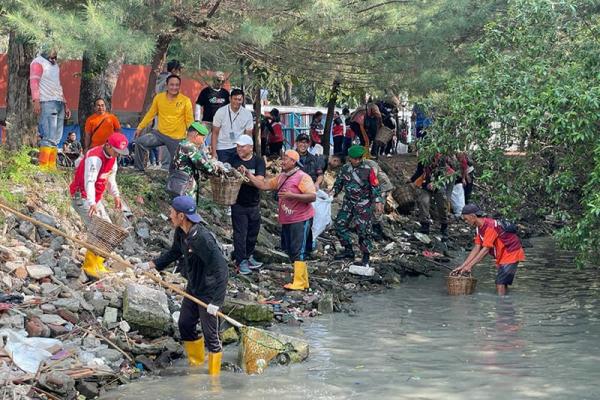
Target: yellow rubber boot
[300, 277]
[43, 157]
[195, 351]
[214, 363]
[93, 265]
[52, 155]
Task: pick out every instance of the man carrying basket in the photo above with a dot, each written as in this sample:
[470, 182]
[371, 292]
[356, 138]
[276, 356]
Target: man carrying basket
[497, 239]
[94, 174]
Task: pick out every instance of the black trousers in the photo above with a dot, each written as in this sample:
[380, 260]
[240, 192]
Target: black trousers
[189, 316]
[294, 238]
[275, 149]
[246, 225]
[338, 144]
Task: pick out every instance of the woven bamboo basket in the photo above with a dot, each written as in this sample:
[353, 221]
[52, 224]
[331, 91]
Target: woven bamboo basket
[225, 190]
[405, 197]
[105, 235]
[461, 284]
[384, 134]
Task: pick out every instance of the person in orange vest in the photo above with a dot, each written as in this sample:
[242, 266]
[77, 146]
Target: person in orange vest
[497, 238]
[94, 174]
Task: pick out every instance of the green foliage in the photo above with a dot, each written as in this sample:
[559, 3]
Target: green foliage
[534, 89]
[75, 26]
[133, 184]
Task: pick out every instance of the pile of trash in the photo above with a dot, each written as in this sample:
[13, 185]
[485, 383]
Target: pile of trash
[65, 336]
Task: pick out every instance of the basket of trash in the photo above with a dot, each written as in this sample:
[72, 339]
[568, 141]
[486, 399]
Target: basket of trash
[225, 189]
[461, 283]
[404, 195]
[384, 134]
[104, 234]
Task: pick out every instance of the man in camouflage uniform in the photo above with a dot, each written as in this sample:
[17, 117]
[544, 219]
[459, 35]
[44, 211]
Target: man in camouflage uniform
[385, 187]
[362, 197]
[191, 158]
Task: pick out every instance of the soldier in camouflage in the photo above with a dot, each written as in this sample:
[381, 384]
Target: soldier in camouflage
[385, 186]
[191, 157]
[362, 197]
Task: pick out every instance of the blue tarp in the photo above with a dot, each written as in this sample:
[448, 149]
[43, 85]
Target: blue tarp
[68, 129]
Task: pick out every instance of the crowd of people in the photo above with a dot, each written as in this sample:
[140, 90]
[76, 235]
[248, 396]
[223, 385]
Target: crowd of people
[182, 130]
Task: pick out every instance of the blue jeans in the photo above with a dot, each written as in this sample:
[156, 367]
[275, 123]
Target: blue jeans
[52, 119]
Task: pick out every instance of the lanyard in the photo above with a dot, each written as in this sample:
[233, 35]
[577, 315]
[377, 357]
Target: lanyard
[236, 115]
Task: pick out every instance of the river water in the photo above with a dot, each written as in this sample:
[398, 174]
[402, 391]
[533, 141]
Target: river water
[416, 342]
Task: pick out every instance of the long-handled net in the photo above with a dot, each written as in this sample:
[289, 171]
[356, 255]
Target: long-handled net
[258, 347]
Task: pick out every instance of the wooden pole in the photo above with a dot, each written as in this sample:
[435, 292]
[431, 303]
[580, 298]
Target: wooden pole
[329, 119]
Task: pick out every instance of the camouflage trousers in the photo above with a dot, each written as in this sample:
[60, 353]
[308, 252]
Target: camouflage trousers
[357, 216]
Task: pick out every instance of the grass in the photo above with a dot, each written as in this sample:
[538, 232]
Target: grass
[151, 188]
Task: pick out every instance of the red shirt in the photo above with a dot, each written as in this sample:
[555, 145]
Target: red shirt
[338, 130]
[276, 135]
[504, 247]
[78, 184]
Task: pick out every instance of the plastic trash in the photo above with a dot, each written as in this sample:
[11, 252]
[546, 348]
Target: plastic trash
[457, 199]
[361, 270]
[28, 353]
[322, 218]
[422, 237]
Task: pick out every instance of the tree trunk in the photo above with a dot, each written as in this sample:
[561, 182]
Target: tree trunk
[257, 113]
[99, 77]
[21, 122]
[158, 60]
[287, 98]
[330, 111]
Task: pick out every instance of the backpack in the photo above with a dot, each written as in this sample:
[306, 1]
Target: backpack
[507, 226]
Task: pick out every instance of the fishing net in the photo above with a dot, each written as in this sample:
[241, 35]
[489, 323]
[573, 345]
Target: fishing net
[258, 348]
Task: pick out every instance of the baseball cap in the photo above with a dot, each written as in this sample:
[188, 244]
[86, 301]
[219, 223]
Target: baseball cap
[119, 143]
[220, 75]
[186, 205]
[302, 136]
[293, 154]
[472, 209]
[199, 127]
[244, 140]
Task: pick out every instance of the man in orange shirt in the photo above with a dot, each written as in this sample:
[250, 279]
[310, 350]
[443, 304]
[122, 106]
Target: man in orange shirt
[99, 126]
[491, 237]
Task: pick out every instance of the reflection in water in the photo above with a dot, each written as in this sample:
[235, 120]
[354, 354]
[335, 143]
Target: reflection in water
[416, 342]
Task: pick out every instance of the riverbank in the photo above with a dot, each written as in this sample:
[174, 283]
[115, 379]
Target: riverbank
[108, 332]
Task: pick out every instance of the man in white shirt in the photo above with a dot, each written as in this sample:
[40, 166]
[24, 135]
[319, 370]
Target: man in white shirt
[50, 104]
[93, 176]
[229, 123]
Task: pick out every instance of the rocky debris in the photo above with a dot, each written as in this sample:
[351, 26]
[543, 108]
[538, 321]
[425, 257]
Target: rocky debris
[39, 271]
[248, 312]
[145, 307]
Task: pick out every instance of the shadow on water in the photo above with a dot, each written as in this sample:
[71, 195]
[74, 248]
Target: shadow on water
[416, 342]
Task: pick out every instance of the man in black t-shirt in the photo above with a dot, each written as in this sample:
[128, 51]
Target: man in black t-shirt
[210, 99]
[245, 213]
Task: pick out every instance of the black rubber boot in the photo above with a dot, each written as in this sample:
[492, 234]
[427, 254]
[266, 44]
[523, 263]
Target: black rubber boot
[424, 228]
[365, 259]
[444, 232]
[348, 253]
[378, 232]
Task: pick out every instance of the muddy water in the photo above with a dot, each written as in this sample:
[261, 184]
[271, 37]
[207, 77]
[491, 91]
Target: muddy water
[416, 342]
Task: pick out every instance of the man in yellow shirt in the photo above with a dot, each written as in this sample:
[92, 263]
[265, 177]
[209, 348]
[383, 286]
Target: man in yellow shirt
[174, 111]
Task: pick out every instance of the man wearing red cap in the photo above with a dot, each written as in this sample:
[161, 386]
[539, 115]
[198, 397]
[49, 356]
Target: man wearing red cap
[94, 174]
